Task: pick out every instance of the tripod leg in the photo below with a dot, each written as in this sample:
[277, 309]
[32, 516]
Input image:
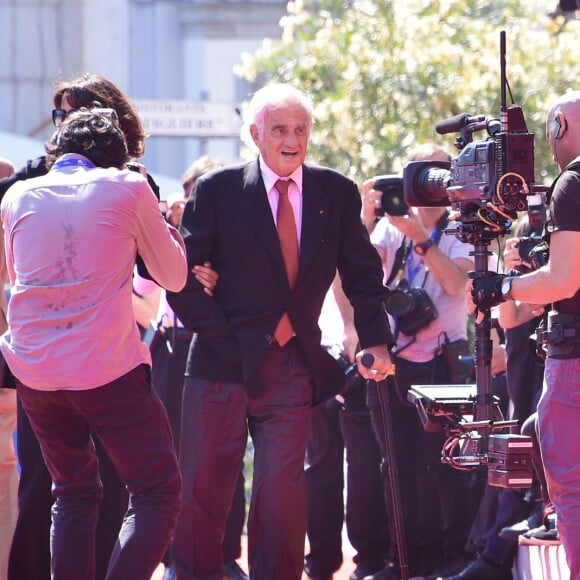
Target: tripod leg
[390, 472]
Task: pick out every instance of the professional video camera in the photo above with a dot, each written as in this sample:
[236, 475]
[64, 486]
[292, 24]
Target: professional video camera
[486, 184]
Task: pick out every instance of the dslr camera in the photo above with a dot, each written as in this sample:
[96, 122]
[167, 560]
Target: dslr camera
[412, 308]
[534, 251]
[392, 198]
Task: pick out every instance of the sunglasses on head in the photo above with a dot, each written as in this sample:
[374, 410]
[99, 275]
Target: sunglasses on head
[59, 115]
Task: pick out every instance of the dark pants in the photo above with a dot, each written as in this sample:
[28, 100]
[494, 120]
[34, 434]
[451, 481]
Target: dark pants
[128, 418]
[213, 440]
[332, 430]
[30, 550]
[500, 508]
[436, 499]
[168, 375]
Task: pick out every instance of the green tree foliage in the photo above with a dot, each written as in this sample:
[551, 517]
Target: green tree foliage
[382, 73]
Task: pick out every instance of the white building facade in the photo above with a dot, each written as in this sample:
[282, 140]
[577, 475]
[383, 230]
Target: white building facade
[158, 50]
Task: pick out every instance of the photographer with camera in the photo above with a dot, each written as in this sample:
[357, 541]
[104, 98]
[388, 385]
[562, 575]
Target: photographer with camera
[426, 271]
[558, 284]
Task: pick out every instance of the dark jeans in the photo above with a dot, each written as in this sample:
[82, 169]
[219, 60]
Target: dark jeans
[30, 550]
[332, 430]
[436, 499]
[217, 416]
[132, 425]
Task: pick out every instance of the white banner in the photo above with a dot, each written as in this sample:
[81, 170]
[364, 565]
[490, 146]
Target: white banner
[181, 118]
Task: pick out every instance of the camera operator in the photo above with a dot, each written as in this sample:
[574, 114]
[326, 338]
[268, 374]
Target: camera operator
[435, 498]
[557, 283]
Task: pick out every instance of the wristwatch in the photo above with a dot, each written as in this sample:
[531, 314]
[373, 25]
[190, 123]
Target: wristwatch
[506, 288]
[422, 247]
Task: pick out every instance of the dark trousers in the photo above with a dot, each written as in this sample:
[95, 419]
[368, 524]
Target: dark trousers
[168, 375]
[436, 499]
[332, 430]
[274, 408]
[30, 550]
[504, 507]
[132, 425]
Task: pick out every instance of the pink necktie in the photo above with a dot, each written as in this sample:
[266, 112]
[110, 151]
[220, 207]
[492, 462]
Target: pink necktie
[288, 237]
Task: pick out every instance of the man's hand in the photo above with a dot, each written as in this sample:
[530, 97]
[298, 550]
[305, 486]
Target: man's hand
[371, 202]
[410, 225]
[381, 366]
[512, 257]
[206, 276]
[486, 292]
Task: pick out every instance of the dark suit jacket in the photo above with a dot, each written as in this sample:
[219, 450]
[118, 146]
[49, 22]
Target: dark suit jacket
[228, 221]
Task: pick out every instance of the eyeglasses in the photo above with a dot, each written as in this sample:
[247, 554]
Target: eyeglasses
[59, 115]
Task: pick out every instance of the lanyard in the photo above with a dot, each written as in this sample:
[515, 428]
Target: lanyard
[415, 262]
[74, 162]
[404, 255]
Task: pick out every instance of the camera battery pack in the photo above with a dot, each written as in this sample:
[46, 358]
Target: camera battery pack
[509, 461]
[509, 443]
[509, 479]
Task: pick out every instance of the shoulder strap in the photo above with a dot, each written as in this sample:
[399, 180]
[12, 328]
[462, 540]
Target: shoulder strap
[404, 249]
[399, 262]
[439, 229]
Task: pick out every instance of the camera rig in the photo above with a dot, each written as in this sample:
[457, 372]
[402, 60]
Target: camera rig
[486, 185]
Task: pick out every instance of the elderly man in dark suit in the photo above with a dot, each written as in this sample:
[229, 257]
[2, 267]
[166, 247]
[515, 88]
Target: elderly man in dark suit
[276, 230]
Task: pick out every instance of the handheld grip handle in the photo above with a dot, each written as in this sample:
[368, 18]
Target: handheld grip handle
[367, 360]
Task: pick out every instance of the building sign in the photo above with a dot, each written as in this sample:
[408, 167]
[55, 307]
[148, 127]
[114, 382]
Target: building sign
[181, 118]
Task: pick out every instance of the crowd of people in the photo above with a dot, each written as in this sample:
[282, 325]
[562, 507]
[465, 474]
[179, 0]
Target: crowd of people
[147, 347]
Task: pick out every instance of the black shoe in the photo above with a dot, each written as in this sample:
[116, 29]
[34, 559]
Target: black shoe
[540, 536]
[512, 533]
[232, 571]
[414, 571]
[313, 570]
[481, 569]
[451, 567]
[370, 572]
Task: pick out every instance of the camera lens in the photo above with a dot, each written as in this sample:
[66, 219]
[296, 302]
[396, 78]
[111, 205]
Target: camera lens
[399, 303]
